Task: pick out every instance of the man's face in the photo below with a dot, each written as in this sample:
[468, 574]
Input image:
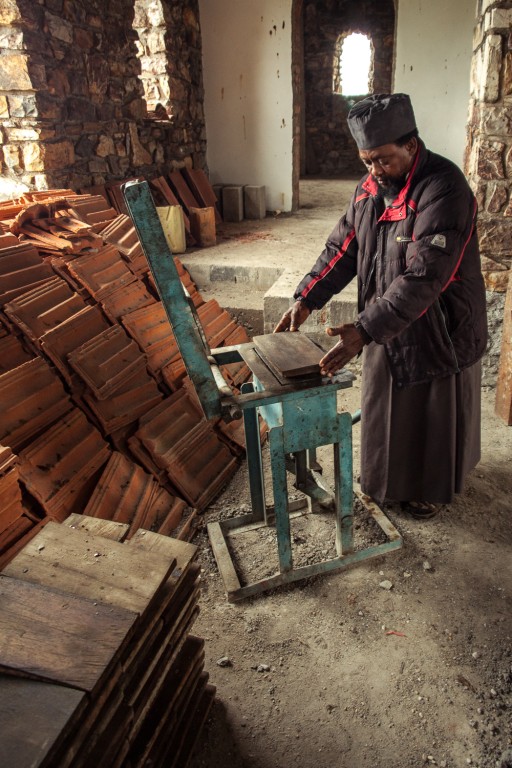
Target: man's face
[390, 163]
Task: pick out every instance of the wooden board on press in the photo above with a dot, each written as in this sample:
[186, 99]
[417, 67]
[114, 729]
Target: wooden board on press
[290, 355]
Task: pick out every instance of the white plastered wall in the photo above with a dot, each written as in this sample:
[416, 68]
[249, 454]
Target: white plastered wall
[247, 72]
[433, 61]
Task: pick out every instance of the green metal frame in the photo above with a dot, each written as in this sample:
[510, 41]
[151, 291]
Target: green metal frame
[300, 419]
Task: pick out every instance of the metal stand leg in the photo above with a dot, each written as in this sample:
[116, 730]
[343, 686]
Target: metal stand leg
[254, 460]
[343, 486]
[277, 459]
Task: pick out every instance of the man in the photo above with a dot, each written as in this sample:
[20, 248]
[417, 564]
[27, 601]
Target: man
[409, 236]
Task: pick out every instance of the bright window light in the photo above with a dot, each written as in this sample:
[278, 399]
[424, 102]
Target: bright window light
[355, 63]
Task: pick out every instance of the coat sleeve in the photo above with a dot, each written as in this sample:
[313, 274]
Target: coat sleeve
[443, 227]
[334, 268]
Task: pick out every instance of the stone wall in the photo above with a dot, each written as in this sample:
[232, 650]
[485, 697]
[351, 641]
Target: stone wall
[330, 149]
[72, 107]
[488, 161]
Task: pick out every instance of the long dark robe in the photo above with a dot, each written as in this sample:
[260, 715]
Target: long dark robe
[417, 443]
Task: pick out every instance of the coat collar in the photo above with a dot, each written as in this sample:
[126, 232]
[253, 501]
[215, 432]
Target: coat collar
[398, 208]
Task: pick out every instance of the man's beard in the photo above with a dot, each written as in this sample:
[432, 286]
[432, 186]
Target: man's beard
[392, 187]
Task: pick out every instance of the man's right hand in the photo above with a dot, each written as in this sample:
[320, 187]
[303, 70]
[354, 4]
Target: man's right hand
[293, 318]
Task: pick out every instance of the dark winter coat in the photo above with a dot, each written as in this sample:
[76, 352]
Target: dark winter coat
[420, 286]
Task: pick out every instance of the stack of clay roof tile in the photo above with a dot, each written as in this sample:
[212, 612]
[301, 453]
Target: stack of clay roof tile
[183, 450]
[96, 652]
[121, 233]
[127, 494]
[88, 365]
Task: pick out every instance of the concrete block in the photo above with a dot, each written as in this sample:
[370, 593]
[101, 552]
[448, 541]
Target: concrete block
[339, 310]
[232, 203]
[254, 202]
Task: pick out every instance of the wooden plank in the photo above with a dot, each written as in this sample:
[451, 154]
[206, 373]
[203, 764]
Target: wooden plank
[181, 551]
[101, 702]
[189, 659]
[153, 660]
[56, 637]
[93, 567]
[34, 718]
[195, 720]
[503, 405]
[291, 354]
[109, 731]
[144, 704]
[106, 528]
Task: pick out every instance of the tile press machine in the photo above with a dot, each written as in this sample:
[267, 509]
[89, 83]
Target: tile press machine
[301, 416]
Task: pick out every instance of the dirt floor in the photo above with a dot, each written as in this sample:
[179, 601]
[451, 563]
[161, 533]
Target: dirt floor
[405, 660]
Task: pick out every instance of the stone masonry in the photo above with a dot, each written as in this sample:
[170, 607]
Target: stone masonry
[488, 161]
[73, 111]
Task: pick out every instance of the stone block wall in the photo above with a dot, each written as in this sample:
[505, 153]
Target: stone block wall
[73, 111]
[488, 161]
[330, 149]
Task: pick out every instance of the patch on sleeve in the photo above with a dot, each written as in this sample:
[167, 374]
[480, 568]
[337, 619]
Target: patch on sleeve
[439, 241]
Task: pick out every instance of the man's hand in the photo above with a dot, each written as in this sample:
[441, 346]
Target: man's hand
[293, 318]
[350, 344]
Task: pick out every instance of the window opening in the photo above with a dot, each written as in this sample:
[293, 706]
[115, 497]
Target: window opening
[353, 65]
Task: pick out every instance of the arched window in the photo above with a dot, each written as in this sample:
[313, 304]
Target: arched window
[353, 65]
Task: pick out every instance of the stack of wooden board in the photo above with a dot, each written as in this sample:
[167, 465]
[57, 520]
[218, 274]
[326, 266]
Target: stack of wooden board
[97, 664]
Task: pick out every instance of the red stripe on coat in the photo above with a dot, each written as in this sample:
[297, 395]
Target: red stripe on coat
[325, 271]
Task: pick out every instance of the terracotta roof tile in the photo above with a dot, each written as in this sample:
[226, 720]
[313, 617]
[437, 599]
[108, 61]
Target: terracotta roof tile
[9, 209]
[127, 494]
[44, 307]
[121, 233]
[101, 272]
[199, 183]
[126, 299]
[94, 210]
[45, 195]
[58, 342]
[57, 466]
[187, 448]
[21, 268]
[17, 536]
[174, 372]
[7, 240]
[33, 398]
[115, 195]
[150, 327]
[183, 192]
[10, 494]
[138, 395]
[12, 353]
[107, 360]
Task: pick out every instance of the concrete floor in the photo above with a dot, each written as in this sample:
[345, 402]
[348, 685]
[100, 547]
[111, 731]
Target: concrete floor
[256, 265]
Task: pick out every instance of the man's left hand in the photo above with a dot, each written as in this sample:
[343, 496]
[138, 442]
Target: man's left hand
[350, 344]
